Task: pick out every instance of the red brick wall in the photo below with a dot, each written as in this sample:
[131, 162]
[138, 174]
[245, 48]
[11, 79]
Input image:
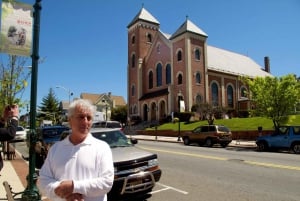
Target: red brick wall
[236, 135]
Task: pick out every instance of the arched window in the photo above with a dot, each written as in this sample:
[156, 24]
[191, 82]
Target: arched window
[168, 74]
[179, 79]
[198, 78]
[132, 90]
[230, 96]
[149, 38]
[159, 75]
[133, 61]
[150, 80]
[179, 55]
[197, 54]
[198, 99]
[133, 40]
[243, 92]
[215, 94]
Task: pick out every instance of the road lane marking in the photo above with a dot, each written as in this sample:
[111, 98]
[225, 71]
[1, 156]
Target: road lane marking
[187, 154]
[287, 167]
[168, 188]
[273, 165]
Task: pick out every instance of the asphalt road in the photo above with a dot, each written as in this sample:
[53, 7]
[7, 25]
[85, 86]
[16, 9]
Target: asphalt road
[193, 173]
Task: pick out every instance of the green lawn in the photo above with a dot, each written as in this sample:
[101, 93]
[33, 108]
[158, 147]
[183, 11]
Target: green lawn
[235, 124]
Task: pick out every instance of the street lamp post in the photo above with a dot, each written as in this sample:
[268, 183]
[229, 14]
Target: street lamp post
[31, 192]
[68, 91]
[179, 99]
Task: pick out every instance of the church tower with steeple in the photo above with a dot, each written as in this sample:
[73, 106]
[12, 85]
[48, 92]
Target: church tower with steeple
[142, 31]
[171, 73]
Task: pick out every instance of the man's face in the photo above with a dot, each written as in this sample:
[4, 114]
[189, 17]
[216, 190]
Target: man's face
[81, 121]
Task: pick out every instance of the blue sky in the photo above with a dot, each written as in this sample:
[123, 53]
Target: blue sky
[84, 43]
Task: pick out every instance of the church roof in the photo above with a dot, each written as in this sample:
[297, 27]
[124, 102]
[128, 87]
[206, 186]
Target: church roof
[218, 59]
[188, 26]
[233, 63]
[145, 16]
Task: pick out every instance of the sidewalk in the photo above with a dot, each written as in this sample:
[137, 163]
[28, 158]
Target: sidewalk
[15, 171]
[9, 174]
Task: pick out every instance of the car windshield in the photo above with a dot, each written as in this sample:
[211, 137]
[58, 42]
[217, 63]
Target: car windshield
[106, 124]
[19, 128]
[115, 138]
[113, 125]
[283, 129]
[223, 129]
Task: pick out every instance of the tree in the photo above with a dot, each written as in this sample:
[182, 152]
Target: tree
[119, 114]
[13, 81]
[49, 109]
[274, 97]
[209, 112]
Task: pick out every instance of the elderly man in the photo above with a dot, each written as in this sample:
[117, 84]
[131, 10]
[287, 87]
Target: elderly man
[80, 167]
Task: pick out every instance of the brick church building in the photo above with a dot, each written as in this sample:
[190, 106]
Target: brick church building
[172, 72]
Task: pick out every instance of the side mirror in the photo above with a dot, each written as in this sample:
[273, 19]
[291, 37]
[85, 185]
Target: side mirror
[133, 140]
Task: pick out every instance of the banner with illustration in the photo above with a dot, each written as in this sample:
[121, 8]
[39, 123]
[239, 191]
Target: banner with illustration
[16, 28]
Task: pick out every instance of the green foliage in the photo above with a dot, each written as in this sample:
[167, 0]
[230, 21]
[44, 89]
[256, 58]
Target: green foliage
[209, 112]
[13, 81]
[235, 124]
[49, 109]
[274, 97]
[183, 116]
[119, 114]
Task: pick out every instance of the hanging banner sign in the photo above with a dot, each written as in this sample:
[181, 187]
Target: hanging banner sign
[16, 28]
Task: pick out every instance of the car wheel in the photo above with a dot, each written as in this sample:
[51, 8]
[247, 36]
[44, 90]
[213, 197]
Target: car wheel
[186, 141]
[224, 145]
[262, 146]
[208, 142]
[296, 148]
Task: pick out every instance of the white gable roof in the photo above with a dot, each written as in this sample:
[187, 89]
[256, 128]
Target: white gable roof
[144, 15]
[188, 26]
[229, 62]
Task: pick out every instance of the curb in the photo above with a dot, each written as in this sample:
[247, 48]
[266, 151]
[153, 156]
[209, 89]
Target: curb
[234, 143]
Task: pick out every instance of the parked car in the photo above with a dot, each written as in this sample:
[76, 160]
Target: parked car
[285, 137]
[208, 135]
[46, 136]
[107, 124]
[136, 170]
[50, 134]
[20, 134]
